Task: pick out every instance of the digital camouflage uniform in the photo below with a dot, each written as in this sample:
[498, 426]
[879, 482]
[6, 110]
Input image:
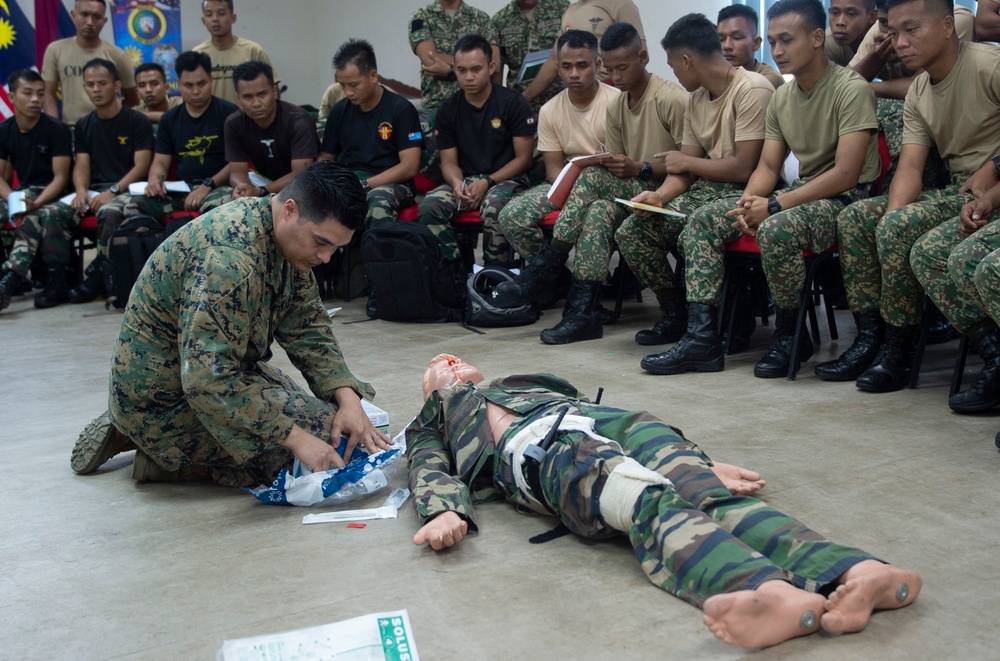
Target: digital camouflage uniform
[190, 379]
[782, 238]
[384, 203]
[945, 262]
[692, 537]
[645, 243]
[517, 35]
[49, 226]
[123, 206]
[432, 23]
[590, 218]
[439, 208]
[987, 274]
[519, 220]
[875, 251]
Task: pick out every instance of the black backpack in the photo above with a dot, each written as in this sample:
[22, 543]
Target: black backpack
[480, 311]
[411, 281]
[130, 246]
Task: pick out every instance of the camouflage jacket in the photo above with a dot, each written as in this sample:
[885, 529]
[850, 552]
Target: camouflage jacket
[450, 445]
[200, 321]
[517, 36]
[432, 23]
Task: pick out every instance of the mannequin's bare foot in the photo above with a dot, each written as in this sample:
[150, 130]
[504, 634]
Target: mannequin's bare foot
[866, 587]
[771, 614]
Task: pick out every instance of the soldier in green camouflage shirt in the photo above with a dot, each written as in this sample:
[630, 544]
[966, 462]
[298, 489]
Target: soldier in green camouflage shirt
[434, 31]
[523, 27]
[760, 575]
[190, 379]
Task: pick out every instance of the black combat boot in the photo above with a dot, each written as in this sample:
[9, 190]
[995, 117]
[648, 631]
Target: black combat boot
[776, 361]
[673, 324]
[985, 392]
[699, 350]
[581, 318]
[939, 329]
[371, 307]
[94, 284]
[861, 354]
[534, 282]
[892, 367]
[11, 285]
[56, 290]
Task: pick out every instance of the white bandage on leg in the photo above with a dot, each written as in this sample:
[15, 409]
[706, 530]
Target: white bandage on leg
[622, 489]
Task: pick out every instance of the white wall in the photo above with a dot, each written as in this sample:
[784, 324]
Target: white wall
[301, 36]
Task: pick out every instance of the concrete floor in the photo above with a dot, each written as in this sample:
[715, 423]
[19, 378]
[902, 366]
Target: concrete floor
[98, 567]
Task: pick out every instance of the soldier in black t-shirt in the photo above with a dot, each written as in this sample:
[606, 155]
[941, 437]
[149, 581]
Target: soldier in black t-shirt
[375, 132]
[40, 150]
[278, 137]
[192, 136]
[114, 147]
[486, 136]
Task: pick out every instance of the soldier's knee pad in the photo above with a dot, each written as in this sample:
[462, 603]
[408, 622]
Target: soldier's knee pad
[624, 485]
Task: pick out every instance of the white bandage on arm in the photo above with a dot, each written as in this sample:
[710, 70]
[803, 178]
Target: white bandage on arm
[622, 489]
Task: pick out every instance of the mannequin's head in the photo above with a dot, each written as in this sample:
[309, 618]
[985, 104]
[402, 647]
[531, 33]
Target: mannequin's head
[446, 370]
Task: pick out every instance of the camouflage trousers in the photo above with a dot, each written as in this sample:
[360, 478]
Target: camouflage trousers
[692, 537]
[173, 436]
[987, 276]
[590, 218]
[123, 206]
[946, 264]
[519, 220]
[439, 208]
[645, 243]
[430, 157]
[890, 120]
[875, 251]
[48, 228]
[782, 239]
[384, 203]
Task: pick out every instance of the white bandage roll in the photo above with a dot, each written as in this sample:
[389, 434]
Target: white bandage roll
[622, 489]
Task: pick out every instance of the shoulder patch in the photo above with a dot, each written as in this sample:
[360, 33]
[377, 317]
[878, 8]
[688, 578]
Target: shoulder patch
[416, 24]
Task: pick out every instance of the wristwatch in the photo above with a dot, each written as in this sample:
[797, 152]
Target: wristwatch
[115, 188]
[262, 192]
[208, 183]
[490, 181]
[365, 186]
[772, 206]
[646, 171]
[996, 166]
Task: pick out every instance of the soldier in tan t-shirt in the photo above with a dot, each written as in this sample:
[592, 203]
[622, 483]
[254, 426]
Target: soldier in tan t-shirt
[594, 16]
[648, 119]
[723, 137]
[227, 50]
[953, 105]
[737, 30]
[62, 65]
[826, 118]
[571, 124]
[850, 21]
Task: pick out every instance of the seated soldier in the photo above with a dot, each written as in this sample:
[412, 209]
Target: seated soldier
[723, 137]
[375, 132]
[648, 119]
[523, 27]
[331, 96]
[571, 124]
[114, 147]
[959, 79]
[39, 150]
[486, 137]
[827, 120]
[850, 21]
[878, 62]
[151, 81]
[951, 262]
[225, 49]
[278, 137]
[760, 575]
[191, 386]
[189, 137]
[737, 31]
